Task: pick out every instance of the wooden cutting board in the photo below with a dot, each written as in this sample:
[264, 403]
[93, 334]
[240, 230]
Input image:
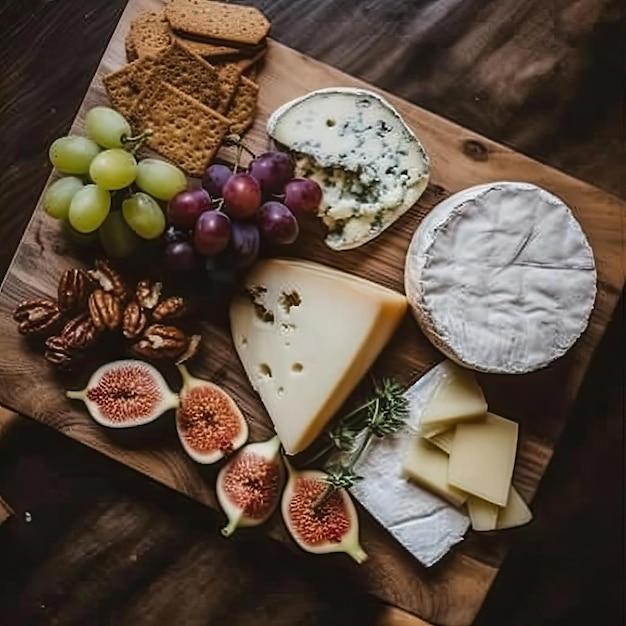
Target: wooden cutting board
[452, 591]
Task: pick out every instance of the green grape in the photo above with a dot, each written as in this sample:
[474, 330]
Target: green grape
[160, 179]
[106, 127]
[113, 169]
[57, 199]
[143, 214]
[73, 154]
[89, 208]
[117, 239]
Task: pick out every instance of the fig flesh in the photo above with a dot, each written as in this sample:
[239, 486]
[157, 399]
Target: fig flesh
[320, 525]
[249, 485]
[209, 423]
[126, 393]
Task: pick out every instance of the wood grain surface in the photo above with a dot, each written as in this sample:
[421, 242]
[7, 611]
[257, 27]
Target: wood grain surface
[101, 530]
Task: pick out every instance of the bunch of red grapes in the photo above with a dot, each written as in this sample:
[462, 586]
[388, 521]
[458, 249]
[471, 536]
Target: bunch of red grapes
[224, 224]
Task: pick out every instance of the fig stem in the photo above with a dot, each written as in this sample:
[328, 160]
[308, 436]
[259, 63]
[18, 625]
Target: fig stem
[357, 553]
[76, 395]
[231, 527]
[186, 376]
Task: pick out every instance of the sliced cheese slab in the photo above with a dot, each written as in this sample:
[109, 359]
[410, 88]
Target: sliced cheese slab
[501, 277]
[425, 524]
[482, 458]
[457, 398]
[303, 356]
[428, 466]
[515, 513]
[370, 165]
[484, 515]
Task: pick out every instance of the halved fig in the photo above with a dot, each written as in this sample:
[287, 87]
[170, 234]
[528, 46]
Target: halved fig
[248, 486]
[126, 393]
[210, 425]
[317, 524]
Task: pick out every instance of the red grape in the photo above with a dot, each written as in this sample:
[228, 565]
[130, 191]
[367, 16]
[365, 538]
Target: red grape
[277, 223]
[302, 195]
[273, 170]
[211, 234]
[214, 179]
[242, 196]
[180, 257]
[245, 241]
[186, 206]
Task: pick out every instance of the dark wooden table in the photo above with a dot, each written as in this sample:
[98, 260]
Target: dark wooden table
[93, 543]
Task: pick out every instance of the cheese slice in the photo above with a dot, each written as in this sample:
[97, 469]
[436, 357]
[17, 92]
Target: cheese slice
[457, 398]
[515, 513]
[484, 515]
[442, 440]
[306, 334]
[501, 277]
[483, 456]
[369, 164]
[427, 466]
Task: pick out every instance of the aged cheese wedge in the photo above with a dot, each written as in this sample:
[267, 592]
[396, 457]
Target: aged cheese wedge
[457, 398]
[306, 334]
[427, 466]
[484, 515]
[482, 458]
[515, 513]
[501, 277]
[370, 165]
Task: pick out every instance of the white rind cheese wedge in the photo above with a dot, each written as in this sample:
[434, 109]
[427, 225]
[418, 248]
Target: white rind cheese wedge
[501, 277]
[306, 334]
[370, 165]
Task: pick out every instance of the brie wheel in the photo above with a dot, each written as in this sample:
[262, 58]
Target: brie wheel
[501, 277]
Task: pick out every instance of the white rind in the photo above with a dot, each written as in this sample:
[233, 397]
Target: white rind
[539, 269]
[413, 192]
[423, 523]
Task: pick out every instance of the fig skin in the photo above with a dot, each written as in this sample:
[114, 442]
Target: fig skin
[158, 397]
[193, 397]
[257, 454]
[346, 523]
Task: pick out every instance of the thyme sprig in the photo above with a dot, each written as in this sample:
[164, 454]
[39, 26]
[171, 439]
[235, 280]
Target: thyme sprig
[381, 415]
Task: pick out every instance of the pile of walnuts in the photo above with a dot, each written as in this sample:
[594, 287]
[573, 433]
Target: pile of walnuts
[92, 303]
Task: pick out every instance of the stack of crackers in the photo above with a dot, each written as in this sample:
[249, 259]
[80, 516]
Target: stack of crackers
[190, 80]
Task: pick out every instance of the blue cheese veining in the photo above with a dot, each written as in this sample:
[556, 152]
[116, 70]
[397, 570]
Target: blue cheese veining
[370, 165]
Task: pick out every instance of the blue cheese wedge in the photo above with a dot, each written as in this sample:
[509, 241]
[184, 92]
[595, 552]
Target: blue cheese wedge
[369, 164]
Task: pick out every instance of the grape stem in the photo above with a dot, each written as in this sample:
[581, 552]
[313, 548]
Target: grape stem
[235, 140]
[137, 141]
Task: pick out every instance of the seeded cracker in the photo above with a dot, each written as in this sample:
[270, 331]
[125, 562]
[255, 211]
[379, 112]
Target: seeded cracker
[229, 81]
[188, 72]
[184, 130]
[217, 22]
[207, 50]
[124, 86]
[149, 33]
[243, 106]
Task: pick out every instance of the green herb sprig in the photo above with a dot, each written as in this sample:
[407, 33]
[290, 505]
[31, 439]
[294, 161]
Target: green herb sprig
[383, 414]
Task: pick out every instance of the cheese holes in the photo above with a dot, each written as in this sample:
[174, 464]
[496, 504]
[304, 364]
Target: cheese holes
[244, 341]
[280, 392]
[265, 370]
[330, 123]
[297, 368]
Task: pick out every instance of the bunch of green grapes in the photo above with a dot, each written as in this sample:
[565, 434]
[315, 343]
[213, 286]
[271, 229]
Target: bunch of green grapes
[104, 190]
